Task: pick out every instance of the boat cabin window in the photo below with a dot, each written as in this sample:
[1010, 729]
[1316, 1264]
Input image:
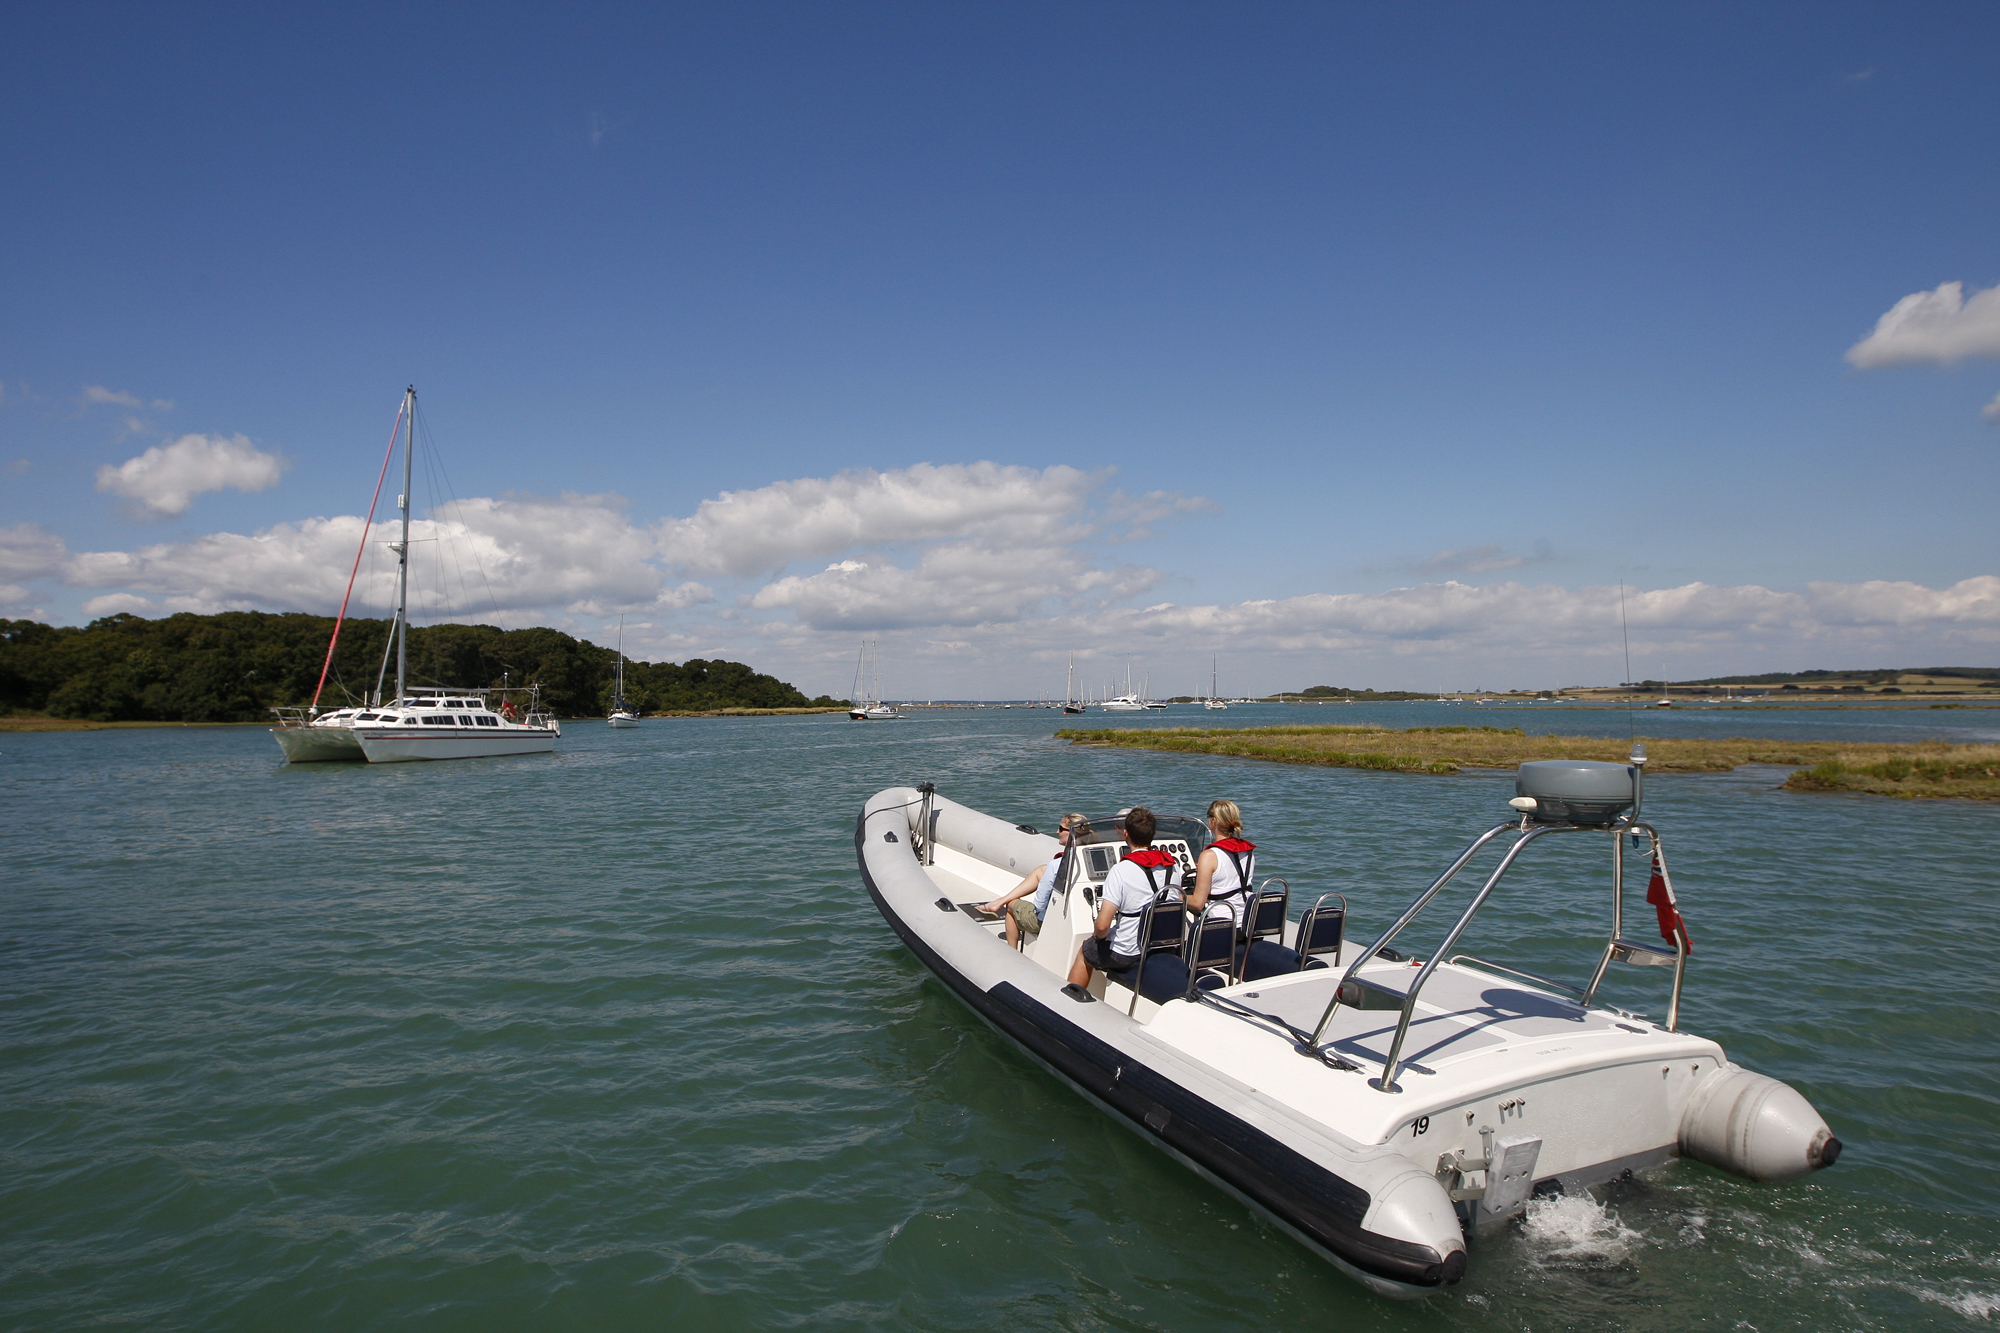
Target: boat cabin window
[409, 722]
[364, 717]
[487, 720]
[420, 703]
[439, 721]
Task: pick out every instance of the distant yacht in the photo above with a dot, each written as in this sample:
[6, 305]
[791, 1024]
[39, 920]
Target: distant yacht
[867, 696]
[621, 716]
[1128, 702]
[1212, 701]
[1072, 704]
[376, 732]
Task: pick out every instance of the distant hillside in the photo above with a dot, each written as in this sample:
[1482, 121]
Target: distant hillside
[235, 666]
[1875, 676]
[1337, 692]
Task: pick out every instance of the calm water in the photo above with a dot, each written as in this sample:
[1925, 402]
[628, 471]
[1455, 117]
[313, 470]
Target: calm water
[613, 1038]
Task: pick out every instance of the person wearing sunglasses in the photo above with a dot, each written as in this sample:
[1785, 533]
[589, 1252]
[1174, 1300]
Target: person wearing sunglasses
[1023, 916]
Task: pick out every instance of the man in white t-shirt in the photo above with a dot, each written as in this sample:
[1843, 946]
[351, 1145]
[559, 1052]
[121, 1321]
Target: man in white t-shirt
[1132, 884]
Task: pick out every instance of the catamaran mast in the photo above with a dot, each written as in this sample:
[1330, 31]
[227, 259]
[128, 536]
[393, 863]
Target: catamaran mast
[403, 547]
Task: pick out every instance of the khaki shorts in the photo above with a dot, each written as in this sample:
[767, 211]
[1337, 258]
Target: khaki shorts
[1024, 914]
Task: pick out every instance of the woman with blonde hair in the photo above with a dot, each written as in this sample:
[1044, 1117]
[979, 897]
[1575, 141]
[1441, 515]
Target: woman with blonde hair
[1228, 866]
[1041, 881]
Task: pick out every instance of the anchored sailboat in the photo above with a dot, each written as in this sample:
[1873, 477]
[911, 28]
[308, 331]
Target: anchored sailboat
[1213, 700]
[415, 724]
[621, 716]
[867, 696]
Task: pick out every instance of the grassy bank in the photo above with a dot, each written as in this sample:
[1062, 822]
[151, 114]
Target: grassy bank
[1928, 769]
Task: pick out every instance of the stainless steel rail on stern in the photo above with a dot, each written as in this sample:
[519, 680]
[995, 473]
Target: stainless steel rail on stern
[1352, 987]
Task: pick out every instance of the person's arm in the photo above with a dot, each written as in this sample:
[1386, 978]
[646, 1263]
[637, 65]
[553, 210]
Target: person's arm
[1027, 886]
[1204, 877]
[1107, 912]
[1107, 904]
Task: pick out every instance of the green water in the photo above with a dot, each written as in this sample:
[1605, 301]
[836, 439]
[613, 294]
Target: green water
[614, 1039]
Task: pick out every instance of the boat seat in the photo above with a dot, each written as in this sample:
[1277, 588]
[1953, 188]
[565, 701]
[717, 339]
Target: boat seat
[1321, 931]
[1162, 937]
[1263, 919]
[1211, 949]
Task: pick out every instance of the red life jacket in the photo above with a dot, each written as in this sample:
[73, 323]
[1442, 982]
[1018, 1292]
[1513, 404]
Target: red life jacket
[1148, 861]
[1236, 849]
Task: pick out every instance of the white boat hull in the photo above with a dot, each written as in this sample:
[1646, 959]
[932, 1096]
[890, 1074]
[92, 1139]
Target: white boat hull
[1583, 1096]
[312, 745]
[622, 720]
[404, 745]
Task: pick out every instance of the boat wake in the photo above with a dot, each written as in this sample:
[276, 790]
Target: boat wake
[1576, 1231]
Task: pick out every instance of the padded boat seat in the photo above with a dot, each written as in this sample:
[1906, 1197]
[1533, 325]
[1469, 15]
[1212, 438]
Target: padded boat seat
[1166, 979]
[1270, 959]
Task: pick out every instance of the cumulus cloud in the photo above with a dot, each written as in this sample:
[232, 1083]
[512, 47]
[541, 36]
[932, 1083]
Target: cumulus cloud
[686, 595]
[1992, 410]
[962, 583]
[746, 532]
[166, 478]
[13, 594]
[578, 553]
[117, 603]
[30, 551]
[1941, 326]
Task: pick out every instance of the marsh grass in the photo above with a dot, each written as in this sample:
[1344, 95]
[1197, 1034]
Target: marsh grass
[1924, 769]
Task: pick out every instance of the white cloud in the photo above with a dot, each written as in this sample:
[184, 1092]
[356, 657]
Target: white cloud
[1992, 410]
[96, 395]
[521, 555]
[965, 583]
[686, 595]
[30, 551]
[1940, 326]
[166, 478]
[745, 532]
[13, 594]
[1487, 559]
[115, 603]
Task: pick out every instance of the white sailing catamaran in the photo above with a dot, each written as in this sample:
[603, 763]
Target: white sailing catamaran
[419, 722]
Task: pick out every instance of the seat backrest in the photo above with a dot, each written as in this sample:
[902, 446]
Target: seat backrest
[1212, 946]
[1322, 928]
[1164, 927]
[1267, 912]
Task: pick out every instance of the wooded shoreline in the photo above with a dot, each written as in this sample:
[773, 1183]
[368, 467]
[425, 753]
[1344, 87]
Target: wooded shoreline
[1914, 770]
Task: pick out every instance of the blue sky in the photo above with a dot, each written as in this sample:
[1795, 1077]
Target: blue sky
[1421, 326]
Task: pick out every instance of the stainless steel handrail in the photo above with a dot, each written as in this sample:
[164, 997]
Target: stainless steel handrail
[1387, 1083]
[1409, 915]
[1476, 961]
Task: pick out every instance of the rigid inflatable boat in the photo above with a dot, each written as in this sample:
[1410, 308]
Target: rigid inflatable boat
[1381, 1108]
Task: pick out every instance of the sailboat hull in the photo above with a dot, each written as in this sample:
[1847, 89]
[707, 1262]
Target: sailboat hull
[397, 747]
[313, 745]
